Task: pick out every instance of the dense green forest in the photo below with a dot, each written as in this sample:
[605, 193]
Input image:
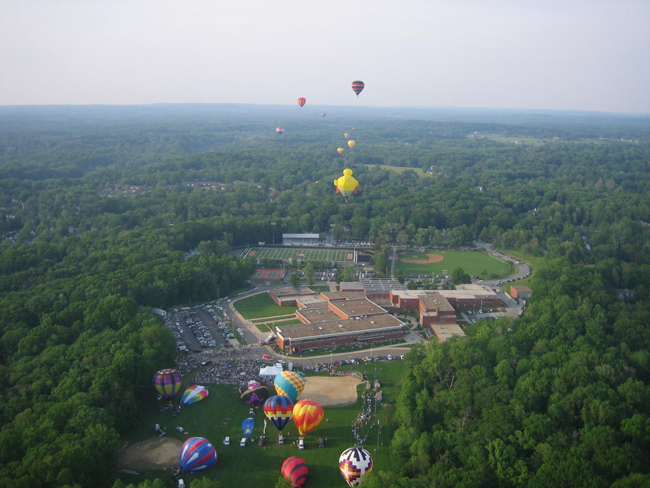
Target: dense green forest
[100, 206]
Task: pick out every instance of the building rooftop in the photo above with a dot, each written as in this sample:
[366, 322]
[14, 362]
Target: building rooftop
[338, 327]
[289, 291]
[381, 285]
[343, 295]
[445, 331]
[357, 308]
[434, 300]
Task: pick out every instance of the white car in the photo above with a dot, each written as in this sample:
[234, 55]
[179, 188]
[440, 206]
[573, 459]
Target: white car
[301, 443]
[242, 443]
[226, 441]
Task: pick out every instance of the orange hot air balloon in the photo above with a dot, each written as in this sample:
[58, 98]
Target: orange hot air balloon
[302, 101]
[351, 143]
[307, 414]
[340, 150]
[357, 86]
[347, 135]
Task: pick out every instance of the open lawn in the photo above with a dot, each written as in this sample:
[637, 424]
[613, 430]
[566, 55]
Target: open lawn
[261, 305]
[473, 263]
[221, 414]
[325, 254]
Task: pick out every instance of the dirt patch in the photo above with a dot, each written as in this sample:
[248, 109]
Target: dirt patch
[157, 453]
[331, 391]
[431, 258]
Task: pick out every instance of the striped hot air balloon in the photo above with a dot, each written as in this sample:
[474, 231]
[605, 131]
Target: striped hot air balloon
[279, 410]
[193, 394]
[197, 454]
[295, 471]
[307, 414]
[167, 382]
[289, 383]
[357, 86]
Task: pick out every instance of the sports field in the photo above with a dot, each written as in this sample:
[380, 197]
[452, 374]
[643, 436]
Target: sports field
[302, 254]
[473, 263]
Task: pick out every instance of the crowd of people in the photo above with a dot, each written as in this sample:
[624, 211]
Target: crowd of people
[232, 372]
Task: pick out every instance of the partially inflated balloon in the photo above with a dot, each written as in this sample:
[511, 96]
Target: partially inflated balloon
[354, 464]
[307, 414]
[295, 471]
[197, 454]
[302, 101]
[289, 383]
[193, 394]
[279, 410]
[253, 392]
[167, 382]
[247, 426]
[357, 86]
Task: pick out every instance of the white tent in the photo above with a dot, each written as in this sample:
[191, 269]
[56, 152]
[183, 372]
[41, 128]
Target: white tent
[271, 370]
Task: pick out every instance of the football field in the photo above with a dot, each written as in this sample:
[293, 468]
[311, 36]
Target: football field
[302, 254]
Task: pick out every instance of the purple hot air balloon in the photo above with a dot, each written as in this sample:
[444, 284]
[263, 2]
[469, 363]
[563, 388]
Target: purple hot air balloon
[167, 382]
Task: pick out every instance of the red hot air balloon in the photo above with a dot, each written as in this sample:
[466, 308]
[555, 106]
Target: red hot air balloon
[302, 101]
[357, 86]
[295, 471]
[279, 130]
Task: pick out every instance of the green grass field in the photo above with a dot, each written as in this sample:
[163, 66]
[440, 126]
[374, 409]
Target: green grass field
[221, 415]
[301, 254]
[473, 263]
[261, 305]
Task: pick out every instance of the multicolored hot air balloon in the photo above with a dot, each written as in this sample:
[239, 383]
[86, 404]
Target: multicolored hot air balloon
[352, 143]
[197, 454]
[295, 471]
[279, 410]
[346, 184]
[193, 394]
[289, 383]
[279, 130]
[253, 392]
[247, 426]
[340, 150]
[307, 414]
[302, 101]
[347, 135]
[354, 464]
[167, 382]
[357, 86]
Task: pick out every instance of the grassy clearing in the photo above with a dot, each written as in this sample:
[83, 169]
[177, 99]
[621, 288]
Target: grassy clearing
[399, 169]
[474, 263]
[261, 305]
[221, 415]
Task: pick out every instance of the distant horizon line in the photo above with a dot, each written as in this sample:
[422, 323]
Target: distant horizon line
[349, 107]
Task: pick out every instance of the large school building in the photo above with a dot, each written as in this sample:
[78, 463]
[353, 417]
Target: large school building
[361, 312]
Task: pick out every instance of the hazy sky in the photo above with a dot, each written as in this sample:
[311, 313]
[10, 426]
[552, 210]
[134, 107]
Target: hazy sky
[530, 54]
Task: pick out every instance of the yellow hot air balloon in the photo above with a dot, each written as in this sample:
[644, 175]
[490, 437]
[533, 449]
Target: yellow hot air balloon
[346, 184]
[351, 143]
[340, 150]
[307, 414]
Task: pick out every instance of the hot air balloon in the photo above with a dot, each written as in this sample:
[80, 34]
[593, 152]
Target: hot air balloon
[302, 101]
[279, 410]
[323, 114]
[193, 394]
[289, 383]
[253, 392]
[197, 454]
[247, 426]
[346, 184]
[347, 135]
[167, 382]
[279, 130]
[352, 143]
[307, 414]
[340, 150]
[354, 464]
[357, 86]
[295, 471]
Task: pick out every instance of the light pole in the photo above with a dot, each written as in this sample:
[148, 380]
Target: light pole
[378, 431]
[273, 227]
